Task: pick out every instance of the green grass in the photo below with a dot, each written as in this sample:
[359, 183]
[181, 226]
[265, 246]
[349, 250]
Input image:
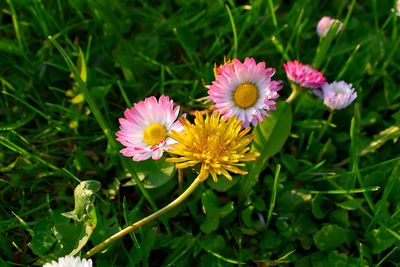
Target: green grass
[322, 199]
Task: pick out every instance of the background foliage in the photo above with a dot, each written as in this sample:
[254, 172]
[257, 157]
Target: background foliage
[335, 200]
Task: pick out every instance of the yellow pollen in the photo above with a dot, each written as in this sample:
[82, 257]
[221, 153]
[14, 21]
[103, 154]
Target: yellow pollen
[245, 95]
[154, 134]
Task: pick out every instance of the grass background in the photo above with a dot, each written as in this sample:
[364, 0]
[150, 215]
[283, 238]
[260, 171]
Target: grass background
[52, 134]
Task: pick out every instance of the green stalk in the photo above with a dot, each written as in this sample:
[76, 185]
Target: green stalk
[326, 125]
[296, 91]
[145, 220]
[273, 196]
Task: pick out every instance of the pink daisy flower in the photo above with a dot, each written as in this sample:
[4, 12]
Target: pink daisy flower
[144, 130]
[303, 74]
[337, 95]
[244, 90]
[325, 23]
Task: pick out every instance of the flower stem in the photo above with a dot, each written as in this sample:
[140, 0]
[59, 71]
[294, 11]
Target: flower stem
[326, 125]
[296, 90]
[143, 221]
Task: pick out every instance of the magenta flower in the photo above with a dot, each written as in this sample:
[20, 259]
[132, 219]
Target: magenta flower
[244, 90]
[337, 95]
[144, 130]
[304, 75]
[325, 23]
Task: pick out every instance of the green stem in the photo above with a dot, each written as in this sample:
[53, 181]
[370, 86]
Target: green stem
[144, 221]
[296, 91]
[326, 125]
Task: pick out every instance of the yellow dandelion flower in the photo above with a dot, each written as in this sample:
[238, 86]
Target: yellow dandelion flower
[217, 144]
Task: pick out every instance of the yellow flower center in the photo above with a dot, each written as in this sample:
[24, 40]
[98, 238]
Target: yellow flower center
[154, 134]
[245, 95]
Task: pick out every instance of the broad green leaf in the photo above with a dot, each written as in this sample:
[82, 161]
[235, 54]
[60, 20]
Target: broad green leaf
[379, 240]
[330, 237]
[43, 239]
[213, 211]
[316, 204]
[210, 203]
[351, 204]
[271, 134]
[223, 185]
[319, 259]
[337, 259]
[209, 225]
[153, 173]
[340, 217]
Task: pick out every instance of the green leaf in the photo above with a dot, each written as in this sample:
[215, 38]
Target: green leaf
[43, 239]
[271, 134]
[337, 259]
[210, 203]
[351, 204]
[153, 173]
[222, 185]
[209, 225]
[330, 237]
[379, 240]
[318, 259]
[316, 204]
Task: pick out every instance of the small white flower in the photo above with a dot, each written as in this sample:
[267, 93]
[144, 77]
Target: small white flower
[337, 95]
[69, 261]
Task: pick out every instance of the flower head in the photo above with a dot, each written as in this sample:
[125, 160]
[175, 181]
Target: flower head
[303, 74]
[215, 143]
[398, 8]
[337, 95]
[69, 261]
[244, 90]
[144, 130]
[324, 25]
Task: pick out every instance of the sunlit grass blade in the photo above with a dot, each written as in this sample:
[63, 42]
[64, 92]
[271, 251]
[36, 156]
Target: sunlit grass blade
[234, 32]
[273, 15]
[345, 191]
[273, 195]
[14, 147]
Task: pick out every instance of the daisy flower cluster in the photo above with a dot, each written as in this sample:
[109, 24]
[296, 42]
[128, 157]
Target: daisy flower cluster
[335, 95]
[243, 94]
